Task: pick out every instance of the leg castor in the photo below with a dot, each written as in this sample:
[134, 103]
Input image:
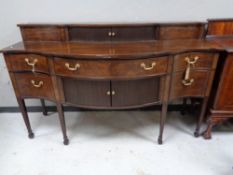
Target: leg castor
[160, 141]
[66, 142]
[196, 134]
[31, 135]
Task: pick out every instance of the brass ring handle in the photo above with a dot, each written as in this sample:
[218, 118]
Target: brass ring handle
[113, 92]
[188, 82]
[38, 85]
[108, 93]
[72, 68]
[143, 65]
[192, 62]
[109, 33]
[33, 63]
[113, 33]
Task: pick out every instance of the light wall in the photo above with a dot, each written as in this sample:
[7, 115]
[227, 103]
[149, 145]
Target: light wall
[96, 11]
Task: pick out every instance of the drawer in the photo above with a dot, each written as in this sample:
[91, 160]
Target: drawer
[109, 69]
[204, 60]
[195, 89]
[35, 85]
[28, 62]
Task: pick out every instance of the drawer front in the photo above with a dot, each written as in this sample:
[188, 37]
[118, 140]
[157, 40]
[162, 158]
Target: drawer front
[143, 67]
[203, 60]
[111, 69]
[28, 62]
[35, 85]
[195, 89]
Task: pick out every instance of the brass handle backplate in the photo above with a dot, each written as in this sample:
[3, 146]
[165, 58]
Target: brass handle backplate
[31, 63]
[37, 85]
[72, 68]
[143, 65]
[191, 62]
[188, 82]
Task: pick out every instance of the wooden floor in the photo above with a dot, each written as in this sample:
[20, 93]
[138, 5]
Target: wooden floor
[116, 143]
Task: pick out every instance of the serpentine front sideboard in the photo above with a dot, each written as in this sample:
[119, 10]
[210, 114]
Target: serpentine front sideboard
[113, 66]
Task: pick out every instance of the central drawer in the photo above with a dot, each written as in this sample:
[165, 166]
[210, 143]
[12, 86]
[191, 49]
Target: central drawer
[109, 69]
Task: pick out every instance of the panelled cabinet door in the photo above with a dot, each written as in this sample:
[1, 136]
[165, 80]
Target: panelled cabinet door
[87, 92]
[135, 92]
[89, 33]
[224, 100]
[133, 33]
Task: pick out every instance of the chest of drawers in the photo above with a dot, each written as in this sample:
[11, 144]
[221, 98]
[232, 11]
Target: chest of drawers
[112, 66]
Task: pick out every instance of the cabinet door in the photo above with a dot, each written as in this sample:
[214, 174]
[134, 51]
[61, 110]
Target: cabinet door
[224, 100]
[89, 33]
[133, 33]
[86, 93]
[135, 92]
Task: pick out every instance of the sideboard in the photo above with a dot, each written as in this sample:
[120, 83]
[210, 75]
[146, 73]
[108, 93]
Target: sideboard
[116, 66]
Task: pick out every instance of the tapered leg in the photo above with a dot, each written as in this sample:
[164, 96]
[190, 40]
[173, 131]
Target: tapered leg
[201, 117]
[63, 123]
[163, 116]
[45, 112]
[184, 106]
[207, 133]
[23, 110]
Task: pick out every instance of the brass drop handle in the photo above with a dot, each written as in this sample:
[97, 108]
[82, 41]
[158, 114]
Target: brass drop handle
[109, 93]
[72, 68]
[143, 65]
[37, 85]
[187, 81]
[31, 63]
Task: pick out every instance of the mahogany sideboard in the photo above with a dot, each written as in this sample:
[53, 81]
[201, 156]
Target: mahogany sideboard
[117, 66]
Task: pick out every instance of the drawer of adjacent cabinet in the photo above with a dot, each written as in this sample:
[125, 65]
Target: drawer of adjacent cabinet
[27, 62]
[196, 60]
[113, 68]
[34, 85]
[194, 86]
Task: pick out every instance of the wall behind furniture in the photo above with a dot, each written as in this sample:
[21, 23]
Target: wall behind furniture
[13, 12]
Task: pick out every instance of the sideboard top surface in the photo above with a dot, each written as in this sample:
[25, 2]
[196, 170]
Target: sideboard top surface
[121, 50]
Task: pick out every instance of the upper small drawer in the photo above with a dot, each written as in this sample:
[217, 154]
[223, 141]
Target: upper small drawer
[200, 60]
[27, 62]
[43, 33]
[111, 69]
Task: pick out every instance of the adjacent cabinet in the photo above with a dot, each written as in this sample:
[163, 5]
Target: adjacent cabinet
[124, 66]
